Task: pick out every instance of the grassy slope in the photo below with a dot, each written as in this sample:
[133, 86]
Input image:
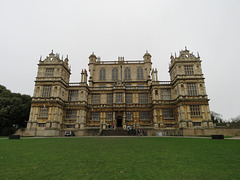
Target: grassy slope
[119, 158]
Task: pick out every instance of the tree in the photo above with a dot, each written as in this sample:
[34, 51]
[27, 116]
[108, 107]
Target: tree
[236, 120]
[216, 118]
[14, 111]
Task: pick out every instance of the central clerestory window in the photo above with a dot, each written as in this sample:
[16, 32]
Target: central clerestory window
[115, 74]
[119, 98]
[139, 73]
[102, 74]
[128, 98]
[127, 74]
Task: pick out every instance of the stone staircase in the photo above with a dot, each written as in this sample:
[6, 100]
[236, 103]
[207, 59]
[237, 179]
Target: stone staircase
[116, 132]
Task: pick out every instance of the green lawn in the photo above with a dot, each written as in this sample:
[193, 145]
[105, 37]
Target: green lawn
[119, 158]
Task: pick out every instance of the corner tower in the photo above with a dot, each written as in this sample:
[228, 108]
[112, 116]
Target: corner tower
[50, 92]
[189, 91]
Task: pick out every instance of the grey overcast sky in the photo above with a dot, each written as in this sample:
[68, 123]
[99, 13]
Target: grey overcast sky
[112, 28]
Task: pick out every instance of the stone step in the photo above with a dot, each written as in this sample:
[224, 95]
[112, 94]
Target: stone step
[117, 132]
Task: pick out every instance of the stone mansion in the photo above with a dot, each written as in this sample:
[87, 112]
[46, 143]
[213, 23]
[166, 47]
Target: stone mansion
[120, 93]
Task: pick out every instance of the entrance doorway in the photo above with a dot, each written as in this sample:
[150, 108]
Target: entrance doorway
[119, 121]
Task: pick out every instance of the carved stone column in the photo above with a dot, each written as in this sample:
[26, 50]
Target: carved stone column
[155, 123]
[124, 120]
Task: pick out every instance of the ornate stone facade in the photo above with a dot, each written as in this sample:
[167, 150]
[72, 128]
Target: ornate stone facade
[123, 93]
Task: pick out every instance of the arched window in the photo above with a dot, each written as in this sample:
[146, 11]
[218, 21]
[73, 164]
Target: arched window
[139, 73]
[127, 74]
[102, 74]
[115, 74]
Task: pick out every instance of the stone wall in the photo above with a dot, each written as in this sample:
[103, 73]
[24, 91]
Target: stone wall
[195, 132]
[212, 131]
[148, 132]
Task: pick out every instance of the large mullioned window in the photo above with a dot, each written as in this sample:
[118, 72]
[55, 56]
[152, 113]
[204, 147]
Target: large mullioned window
[115, 74]
[128, 98]
[95, 116]
[70, 126]
[191, 88]
[109, 116]
[139, 73]
[144, 116]
[127, 74]
[109, 98]
[143, 98]
[43, 112]
[46, 91]
[41, 124]
[102, 74]
[73, 95]
[95, 99]
[167, 114]
[49, 72]
[71, 114]
[195, 110]
[197, 124]
[119, 97]
[129, 116]
[165, 94]
[189, 70]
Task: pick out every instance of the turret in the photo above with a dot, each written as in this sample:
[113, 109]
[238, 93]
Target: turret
[91, 65]
[147, 57]
[92, 58]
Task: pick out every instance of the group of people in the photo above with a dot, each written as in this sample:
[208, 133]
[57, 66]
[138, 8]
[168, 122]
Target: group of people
[111, 126]
[137, 131]
[130, 129]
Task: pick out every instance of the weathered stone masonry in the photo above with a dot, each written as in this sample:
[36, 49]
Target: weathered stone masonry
[121, 92]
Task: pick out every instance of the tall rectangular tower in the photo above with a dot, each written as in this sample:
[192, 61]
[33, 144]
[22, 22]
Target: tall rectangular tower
[50, 93]
[188, 88]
